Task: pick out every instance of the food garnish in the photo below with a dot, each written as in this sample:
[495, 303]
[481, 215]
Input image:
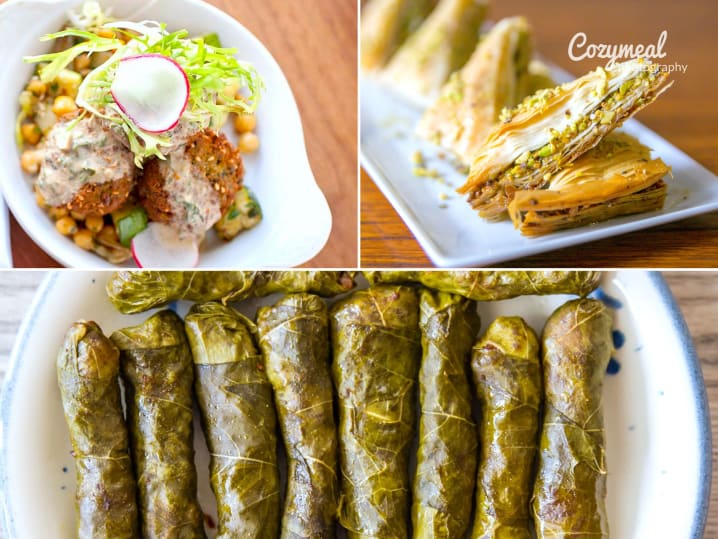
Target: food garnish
[152, 90]
[208, 69]
[161, 246]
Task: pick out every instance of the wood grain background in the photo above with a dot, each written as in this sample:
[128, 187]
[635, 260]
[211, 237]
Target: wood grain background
[315, 43]
[686, 115]
[696, 293]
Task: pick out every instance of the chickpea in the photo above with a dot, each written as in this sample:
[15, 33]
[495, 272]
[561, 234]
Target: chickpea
[30, 133]
[69, 82]
[77, 215]
[30, 161]
[58, 213]
[94, 223]
[244, 123]
[37, 87]
[63, 105]
[27, 101]
[39, 199]
[248, 143]
[66, 226]
[83, 238]
[105, 32]
[108, 235]
[100, 58]
[82, 62]
[230, 90]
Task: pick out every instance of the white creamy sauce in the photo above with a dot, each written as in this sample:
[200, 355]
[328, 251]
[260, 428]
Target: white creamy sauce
[87, 153]
[195, 204]
[182, 132]
[176, 137]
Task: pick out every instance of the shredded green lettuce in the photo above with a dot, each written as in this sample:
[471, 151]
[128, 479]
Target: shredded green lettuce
[209, 68]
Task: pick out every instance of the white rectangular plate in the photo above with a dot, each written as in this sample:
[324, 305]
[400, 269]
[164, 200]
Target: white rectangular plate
[455, 236]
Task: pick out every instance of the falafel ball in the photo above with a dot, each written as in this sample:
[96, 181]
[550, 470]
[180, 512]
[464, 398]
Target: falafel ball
[85, 168]
[195, 185]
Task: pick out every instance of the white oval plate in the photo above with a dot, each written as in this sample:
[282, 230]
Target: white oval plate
[657, 425]
[297, 219]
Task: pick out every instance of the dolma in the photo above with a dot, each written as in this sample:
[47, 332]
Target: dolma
[494, 285]
[617, 177]
[137, 291]
[446, 456]
[87, 370]
[569, 497]
[441, 45]
[552, 128]
[495, 77]
[238, 419]
[385, 25]
[156, 368]
[376, 344]
[294, 339]
[507, 377]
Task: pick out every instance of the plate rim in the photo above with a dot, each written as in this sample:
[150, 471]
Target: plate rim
[72, 256]
[700, 396]
[6, 396]
[653, 278]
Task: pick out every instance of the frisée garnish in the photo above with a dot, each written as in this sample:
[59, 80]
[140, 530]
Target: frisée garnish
[209, 69]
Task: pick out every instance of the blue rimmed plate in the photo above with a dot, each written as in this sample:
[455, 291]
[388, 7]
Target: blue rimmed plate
[657, 424]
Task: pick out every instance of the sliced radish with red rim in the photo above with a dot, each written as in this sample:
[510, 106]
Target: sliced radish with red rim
[161, 246]
[152, 90]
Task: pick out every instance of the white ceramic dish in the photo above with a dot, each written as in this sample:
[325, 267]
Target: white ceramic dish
[657, 425]
[5, 252]
[455, 236]
[297, 219]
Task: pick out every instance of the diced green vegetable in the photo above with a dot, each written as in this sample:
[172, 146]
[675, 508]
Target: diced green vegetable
[131, 224]
[244, 213]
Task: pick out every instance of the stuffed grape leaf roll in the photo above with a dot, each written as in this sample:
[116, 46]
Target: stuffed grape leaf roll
[294, 339]
[376, 344]
[569, 497]
[494, 285]
[507, 377]
[446, 457]
[156, 367]
[87, 369]
[235, 402]
[137, 291]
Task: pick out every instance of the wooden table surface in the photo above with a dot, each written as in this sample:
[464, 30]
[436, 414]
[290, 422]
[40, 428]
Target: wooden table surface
[696, 293]
[686, 115]
[314, 41]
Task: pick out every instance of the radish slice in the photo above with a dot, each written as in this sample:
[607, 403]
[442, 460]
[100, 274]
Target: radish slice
[160, 246]
[152, 90]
